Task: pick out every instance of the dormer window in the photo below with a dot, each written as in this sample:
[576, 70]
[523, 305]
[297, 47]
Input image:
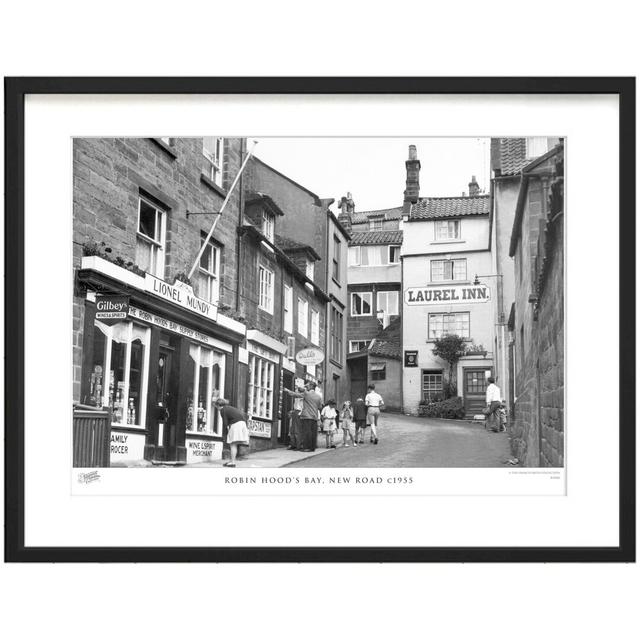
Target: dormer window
[268, 225]
[376, 225]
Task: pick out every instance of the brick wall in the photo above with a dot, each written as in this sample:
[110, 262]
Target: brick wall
[537, 427]
[111, 173]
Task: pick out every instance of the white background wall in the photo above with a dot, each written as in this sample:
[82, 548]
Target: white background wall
[443, 601]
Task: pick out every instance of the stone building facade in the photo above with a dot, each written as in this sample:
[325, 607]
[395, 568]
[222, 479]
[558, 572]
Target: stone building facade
[536, 322]
[142, 208]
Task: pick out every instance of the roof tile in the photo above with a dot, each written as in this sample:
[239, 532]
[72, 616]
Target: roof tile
[395, 213]
[427, 208]
[376, 237]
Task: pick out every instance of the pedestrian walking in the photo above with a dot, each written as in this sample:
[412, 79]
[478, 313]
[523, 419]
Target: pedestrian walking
[494, 402]
[360, 418]
[295, 427]
[309, 415]
[328, 416]
[346, 419]
[235, 421]
[374, 403]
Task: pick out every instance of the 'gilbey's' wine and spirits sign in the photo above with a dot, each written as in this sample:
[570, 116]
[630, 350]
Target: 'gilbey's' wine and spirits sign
[458, 294]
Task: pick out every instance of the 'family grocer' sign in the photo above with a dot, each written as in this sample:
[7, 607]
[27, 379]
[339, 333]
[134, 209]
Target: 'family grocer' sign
[458, 294]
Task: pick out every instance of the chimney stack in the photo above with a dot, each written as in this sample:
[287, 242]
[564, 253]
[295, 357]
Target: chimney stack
[474, 187]
[412, 192]
[347, 209]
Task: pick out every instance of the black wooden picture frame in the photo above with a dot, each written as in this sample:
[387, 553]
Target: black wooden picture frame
[16, 89]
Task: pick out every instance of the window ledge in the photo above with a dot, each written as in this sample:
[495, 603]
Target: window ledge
[165, 147]
[335, 362]
[201, 434]
[448, 242]
[336, 282]
[446, 283]
[212, 185]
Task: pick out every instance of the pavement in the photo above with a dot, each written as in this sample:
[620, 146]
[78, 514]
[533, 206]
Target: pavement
[404, 441]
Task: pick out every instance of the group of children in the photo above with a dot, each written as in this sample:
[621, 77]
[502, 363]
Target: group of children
[348, 416]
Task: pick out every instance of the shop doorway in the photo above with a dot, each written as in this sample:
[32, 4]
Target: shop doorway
[166, 396]
[474, 389]
[358, 374]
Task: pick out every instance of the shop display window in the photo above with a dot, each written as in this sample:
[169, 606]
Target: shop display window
[205, 386]
[261, 372]
[120, 370]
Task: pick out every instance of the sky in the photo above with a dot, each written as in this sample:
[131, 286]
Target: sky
[373, 169]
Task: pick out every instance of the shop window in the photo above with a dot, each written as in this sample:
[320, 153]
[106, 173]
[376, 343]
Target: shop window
[288, 309]
[212, 150]
[266, 289]
[208, 282]
[120, 371]
[443, 324]
[268, 225]
[303, 314]
[443, 270]
[388, 302]
[357, 345]
[378, 371]
[447, 229]
[150, 239]
[354, 256]
[261, 373]
[361, 303]
[431, 384]
[315, 327]
[205, 382]
[394, 255]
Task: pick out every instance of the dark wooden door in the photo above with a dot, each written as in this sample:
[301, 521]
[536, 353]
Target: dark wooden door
[474, 389]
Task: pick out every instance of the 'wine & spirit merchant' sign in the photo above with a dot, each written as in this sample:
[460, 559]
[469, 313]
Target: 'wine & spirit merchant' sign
[458, 294]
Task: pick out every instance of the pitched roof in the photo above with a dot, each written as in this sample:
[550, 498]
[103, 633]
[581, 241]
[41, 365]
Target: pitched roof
[429, 208]
[386, 349]
[392, 236]
[289, 245]
[513, 156]
[395, 213]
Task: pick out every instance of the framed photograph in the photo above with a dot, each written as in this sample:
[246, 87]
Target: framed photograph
[320, 319]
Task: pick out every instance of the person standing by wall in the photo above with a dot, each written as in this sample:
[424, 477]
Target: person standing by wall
[295, 427]
[236, 422]
[309, 415]
[374, 403]
[494, 402]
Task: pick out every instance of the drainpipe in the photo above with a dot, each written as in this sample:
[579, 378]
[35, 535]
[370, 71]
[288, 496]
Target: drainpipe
[329, 308]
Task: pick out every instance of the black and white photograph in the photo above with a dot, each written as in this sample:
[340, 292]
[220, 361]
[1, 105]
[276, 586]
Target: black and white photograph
[318, 302]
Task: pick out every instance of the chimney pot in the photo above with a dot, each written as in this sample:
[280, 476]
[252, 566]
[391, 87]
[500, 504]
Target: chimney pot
[413, 152]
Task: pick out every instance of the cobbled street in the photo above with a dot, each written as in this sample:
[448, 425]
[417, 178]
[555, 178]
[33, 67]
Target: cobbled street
[406, 441]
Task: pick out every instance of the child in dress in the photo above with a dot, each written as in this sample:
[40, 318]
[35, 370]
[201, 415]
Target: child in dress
[360, 418]
[328, 416]
[346, 417]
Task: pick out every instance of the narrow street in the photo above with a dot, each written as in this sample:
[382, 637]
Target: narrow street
[406, 441]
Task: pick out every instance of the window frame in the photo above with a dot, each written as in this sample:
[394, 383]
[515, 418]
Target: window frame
[351, 342]
[337, 248]
[376, 224]
[268, 225]
[438, 237]
[337, 327]
[212, 278]
[445, 262]
[314, 330]
[398, 247]
[431, 338]
[214, 425]
[144, 376]
[260, 390]
[157, 246]
[263, 296]
[362, 294]
[215, 163]
[287, 310]
[352, 249]
[303, 305]
[432, 392]
[386, 294]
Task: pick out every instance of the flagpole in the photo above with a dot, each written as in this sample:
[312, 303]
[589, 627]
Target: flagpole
[224, 204]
